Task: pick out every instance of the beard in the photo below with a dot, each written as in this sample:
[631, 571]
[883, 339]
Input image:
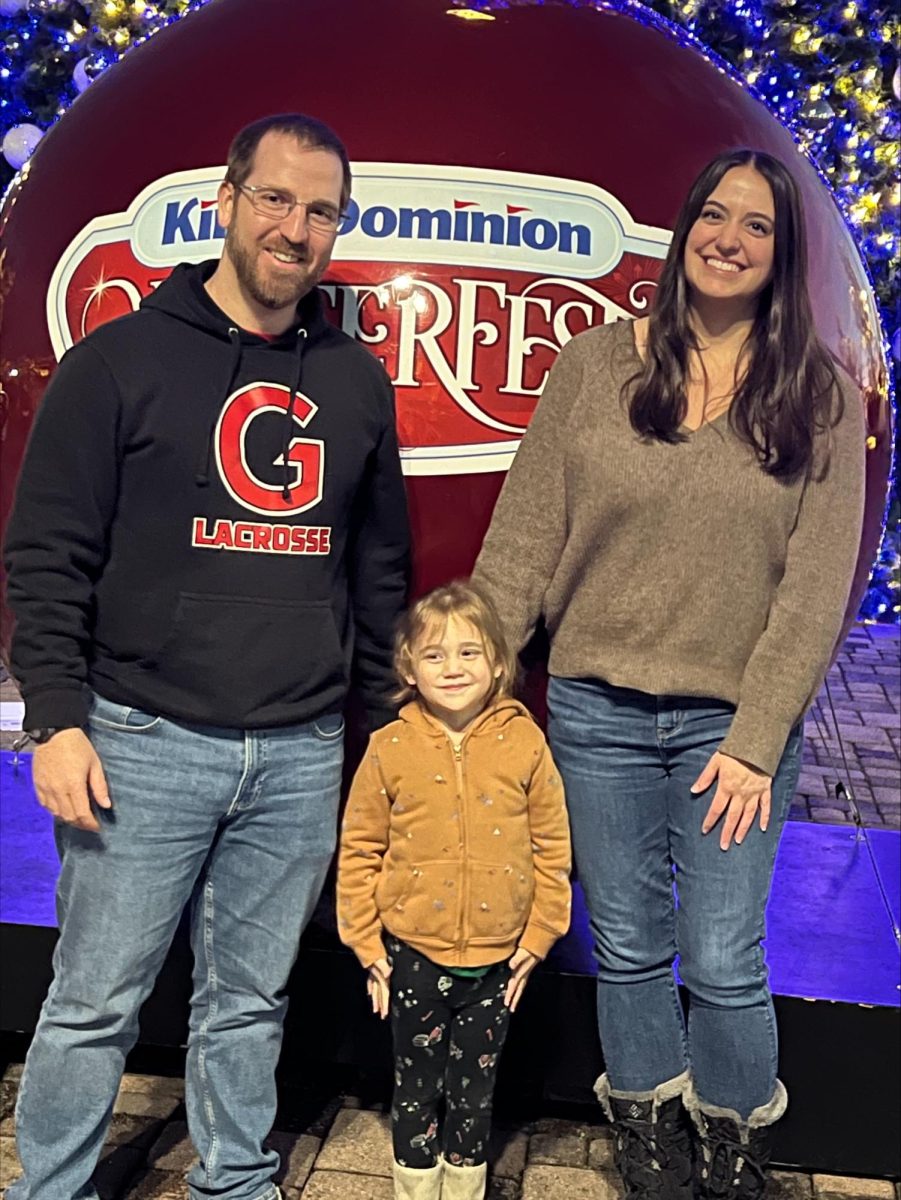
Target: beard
[269, 292]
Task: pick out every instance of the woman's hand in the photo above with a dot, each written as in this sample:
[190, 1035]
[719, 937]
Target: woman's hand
[377, 986]
[522, 964]
[742, 791]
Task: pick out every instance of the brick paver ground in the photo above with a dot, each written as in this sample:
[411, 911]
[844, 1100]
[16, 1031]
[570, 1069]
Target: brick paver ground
[338, 1148]
[862, 696]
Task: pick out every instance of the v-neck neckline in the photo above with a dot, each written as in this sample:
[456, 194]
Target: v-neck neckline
[684, 429]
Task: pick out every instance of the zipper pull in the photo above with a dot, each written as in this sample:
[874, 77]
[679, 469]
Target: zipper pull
[458, 751]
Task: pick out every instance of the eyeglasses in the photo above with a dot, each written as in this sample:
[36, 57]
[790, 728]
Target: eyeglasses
[274, 203]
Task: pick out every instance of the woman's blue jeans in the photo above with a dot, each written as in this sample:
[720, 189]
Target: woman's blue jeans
[241, 825]
[628, 760]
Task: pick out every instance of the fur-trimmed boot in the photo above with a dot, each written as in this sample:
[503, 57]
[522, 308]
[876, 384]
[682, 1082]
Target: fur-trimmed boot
[417, 1183]
[652, 1139]
[733, 1154]
[464, 1183]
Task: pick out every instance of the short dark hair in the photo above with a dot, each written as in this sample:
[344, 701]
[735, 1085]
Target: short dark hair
[306, 130]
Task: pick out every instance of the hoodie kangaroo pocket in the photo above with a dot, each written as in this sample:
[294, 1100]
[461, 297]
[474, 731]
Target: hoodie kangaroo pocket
[420, 900]
[500, 900]
[274, 652]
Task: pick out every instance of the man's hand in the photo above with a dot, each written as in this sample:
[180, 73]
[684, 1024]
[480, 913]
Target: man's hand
[741, 792]
[522, 964]
[377, 986]
[67, 777]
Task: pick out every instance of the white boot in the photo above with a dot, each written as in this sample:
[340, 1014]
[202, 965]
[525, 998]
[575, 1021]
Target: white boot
[413, 1183]
[464, 1183]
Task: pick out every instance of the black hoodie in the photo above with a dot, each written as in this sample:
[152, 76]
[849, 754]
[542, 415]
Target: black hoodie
[166, 551]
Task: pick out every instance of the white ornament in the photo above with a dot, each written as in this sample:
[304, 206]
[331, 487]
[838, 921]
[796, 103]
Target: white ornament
[80, 76]
[19, 144]
[896, 82]
[9, 8]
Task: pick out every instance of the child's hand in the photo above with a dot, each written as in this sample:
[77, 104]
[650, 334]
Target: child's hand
[377, 986]
[522, 964]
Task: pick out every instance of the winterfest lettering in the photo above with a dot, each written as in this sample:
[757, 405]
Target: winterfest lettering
[471, 332]
[260, 537]
[464, 329]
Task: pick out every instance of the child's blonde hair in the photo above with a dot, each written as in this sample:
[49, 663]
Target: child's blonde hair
[465, 600]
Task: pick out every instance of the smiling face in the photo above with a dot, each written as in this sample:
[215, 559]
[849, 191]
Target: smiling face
[452, 672]
[271, 264]
[730, 247]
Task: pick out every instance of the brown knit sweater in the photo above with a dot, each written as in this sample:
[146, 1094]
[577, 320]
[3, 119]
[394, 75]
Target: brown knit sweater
[675, 569]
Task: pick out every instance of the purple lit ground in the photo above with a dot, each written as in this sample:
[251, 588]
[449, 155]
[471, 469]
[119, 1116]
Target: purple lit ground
[28, 862]
[830, 935]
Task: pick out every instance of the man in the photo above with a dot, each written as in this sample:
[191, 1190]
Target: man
[210, 540]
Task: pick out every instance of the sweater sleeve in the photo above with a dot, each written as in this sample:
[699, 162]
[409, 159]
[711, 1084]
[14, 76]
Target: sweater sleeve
[790, 660]
[362, 848]
[56, 542]
[551, 858]
[525, 540]
[379, 567]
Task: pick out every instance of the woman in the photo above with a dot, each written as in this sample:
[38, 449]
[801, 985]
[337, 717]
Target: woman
[684, 513]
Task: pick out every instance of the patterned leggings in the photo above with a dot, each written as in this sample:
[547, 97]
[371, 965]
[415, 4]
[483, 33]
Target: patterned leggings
[448, 1035]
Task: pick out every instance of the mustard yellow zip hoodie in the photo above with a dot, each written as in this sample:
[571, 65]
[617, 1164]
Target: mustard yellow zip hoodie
[460, 848]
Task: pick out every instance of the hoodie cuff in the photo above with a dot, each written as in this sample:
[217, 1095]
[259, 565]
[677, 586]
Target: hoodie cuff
[369, 952]
[538, 941]
[57, 708]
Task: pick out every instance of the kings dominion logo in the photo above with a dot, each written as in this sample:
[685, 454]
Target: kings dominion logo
[465, 283]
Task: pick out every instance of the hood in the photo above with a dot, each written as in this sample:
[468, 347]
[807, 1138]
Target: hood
[494, 717]
[183, 296]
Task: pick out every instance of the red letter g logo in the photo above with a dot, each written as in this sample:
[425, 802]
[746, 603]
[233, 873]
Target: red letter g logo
[306, 456]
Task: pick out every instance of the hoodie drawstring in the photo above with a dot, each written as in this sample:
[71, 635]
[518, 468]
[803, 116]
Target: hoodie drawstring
[202, 477]
[289, 417]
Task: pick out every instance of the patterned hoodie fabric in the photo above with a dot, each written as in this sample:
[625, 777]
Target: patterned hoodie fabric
[459, 848]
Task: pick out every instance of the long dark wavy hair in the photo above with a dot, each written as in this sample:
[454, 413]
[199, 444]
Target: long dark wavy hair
[789, 390]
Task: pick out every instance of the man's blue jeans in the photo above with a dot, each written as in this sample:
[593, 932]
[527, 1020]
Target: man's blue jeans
[242, 825]
[628, 760]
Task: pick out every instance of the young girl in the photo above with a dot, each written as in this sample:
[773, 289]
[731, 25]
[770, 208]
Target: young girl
[453, 882]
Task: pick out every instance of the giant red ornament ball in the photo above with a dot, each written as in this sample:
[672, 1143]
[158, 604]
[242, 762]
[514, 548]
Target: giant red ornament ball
[516, 181]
